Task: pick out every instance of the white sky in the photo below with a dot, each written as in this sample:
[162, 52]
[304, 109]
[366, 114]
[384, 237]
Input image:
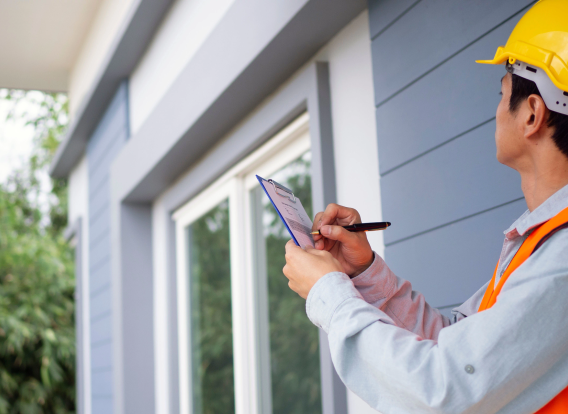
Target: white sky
[16, 139]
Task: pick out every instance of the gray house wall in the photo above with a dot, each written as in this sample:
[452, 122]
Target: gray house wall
[107, 140]
[448, 198]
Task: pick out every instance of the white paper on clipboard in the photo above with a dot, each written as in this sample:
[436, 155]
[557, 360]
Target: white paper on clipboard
[290, 210]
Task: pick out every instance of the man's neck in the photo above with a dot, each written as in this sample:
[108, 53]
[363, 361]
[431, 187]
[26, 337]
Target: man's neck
[543, 180]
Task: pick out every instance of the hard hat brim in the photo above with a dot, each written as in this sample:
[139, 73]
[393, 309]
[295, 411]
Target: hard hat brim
[502, 55]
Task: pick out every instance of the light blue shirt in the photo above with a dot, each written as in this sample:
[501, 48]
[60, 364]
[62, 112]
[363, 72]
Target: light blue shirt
[401, 355]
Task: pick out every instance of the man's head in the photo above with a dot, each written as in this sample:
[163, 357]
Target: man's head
[525, 125]
[532, 117]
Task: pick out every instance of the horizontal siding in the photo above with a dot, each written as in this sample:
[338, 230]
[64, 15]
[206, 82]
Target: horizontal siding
[442, 105]
[470, 181]
[101, 384]
[105, 144]
[100, 305]
[448, 198]
[450, 264]
[430, 33]
[100, 225]
[383, 14]
[100, 277]
[100, 353]
[102, 404]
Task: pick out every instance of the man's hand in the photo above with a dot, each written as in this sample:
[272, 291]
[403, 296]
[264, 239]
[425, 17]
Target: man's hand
[305, 267]
[351, 249]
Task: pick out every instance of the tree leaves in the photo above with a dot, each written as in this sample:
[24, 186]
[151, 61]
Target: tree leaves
[37, 334]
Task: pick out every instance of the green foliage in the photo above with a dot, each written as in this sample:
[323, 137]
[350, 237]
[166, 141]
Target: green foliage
[37, 335]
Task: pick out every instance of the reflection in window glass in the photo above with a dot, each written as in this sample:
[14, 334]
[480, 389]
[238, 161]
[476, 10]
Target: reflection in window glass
[294, 343]
[210, 313]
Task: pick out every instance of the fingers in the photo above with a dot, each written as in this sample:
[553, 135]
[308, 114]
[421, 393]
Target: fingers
[292, 250]
[318, 242]
[290, 246]
[336, 214]
[317, 220]
[336, 233]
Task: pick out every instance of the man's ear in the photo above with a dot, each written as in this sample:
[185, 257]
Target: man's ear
[535, 117]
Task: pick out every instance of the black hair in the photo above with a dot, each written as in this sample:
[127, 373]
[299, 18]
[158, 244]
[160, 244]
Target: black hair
[521, 90]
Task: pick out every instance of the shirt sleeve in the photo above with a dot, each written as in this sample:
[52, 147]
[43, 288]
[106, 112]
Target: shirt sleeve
[408, 309]
[511, 358]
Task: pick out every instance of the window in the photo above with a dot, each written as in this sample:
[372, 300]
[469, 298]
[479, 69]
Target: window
[290, 377]
[245, 342]
[211, 336]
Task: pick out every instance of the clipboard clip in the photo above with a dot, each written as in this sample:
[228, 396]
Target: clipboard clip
[278, 186]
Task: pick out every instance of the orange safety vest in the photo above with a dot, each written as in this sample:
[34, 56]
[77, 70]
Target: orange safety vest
[559, 404]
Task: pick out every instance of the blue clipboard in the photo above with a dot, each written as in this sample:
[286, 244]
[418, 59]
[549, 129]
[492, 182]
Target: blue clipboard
[276, 188]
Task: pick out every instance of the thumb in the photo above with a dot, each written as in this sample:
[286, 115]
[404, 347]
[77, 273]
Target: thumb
[338, 233]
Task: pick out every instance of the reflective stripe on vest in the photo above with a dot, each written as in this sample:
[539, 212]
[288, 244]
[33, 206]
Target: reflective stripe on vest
[559, 404]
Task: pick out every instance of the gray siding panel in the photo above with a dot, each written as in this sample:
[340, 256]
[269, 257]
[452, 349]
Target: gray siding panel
[447, 196]
[100, 199]
[105, 144]
[429, 34]
[99, 354]
[471, 180]
[101, 170]
[451, 264]
[100, 305]
[101, 385]
[386, 12]
[100, 277]
[102, 404]
[101, 329]
[454, 98]
[100, 226]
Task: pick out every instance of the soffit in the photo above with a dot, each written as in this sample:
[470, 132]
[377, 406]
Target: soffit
[40, 41]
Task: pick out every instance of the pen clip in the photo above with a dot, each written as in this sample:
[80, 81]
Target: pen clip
[278, 186]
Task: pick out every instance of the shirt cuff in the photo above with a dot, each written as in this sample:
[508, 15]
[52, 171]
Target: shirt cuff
[325, 297]
[376, 284]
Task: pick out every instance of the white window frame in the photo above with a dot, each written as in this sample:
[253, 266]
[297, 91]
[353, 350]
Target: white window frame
[235, 185]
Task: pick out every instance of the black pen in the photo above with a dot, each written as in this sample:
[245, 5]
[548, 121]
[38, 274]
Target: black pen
[363, 227]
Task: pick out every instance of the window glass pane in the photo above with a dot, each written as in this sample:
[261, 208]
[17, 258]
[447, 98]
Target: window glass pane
[294, 343]
[210, 313]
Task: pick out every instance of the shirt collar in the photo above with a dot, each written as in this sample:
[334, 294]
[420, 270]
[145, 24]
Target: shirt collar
[529, 220]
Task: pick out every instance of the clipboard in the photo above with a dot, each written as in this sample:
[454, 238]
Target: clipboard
[290, 210]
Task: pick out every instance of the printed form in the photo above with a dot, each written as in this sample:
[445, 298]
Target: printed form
[291, 211]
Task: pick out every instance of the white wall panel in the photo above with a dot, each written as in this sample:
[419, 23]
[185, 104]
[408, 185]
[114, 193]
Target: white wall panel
[355, 135]
[183, 31]
[354, 127]
[79, 209]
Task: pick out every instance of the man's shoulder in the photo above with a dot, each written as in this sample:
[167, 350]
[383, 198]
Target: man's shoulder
[550, 259]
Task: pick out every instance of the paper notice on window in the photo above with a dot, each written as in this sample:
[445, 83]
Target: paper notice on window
[291, 211]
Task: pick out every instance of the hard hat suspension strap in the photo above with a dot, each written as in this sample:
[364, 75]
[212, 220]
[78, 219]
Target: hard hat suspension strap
[555, 99]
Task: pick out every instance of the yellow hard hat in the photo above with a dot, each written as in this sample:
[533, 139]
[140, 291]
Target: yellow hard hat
[540, 40]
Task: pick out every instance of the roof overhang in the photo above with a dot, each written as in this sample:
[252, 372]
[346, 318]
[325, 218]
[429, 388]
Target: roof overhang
[125, 52]
[40, 41]
[256, 46]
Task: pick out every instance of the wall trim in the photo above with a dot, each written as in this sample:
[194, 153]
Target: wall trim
[307, 90]
[134, 35]
[255, 48]
[74, 235]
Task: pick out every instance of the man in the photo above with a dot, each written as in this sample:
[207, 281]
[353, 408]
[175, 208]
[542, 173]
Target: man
[506, 348]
